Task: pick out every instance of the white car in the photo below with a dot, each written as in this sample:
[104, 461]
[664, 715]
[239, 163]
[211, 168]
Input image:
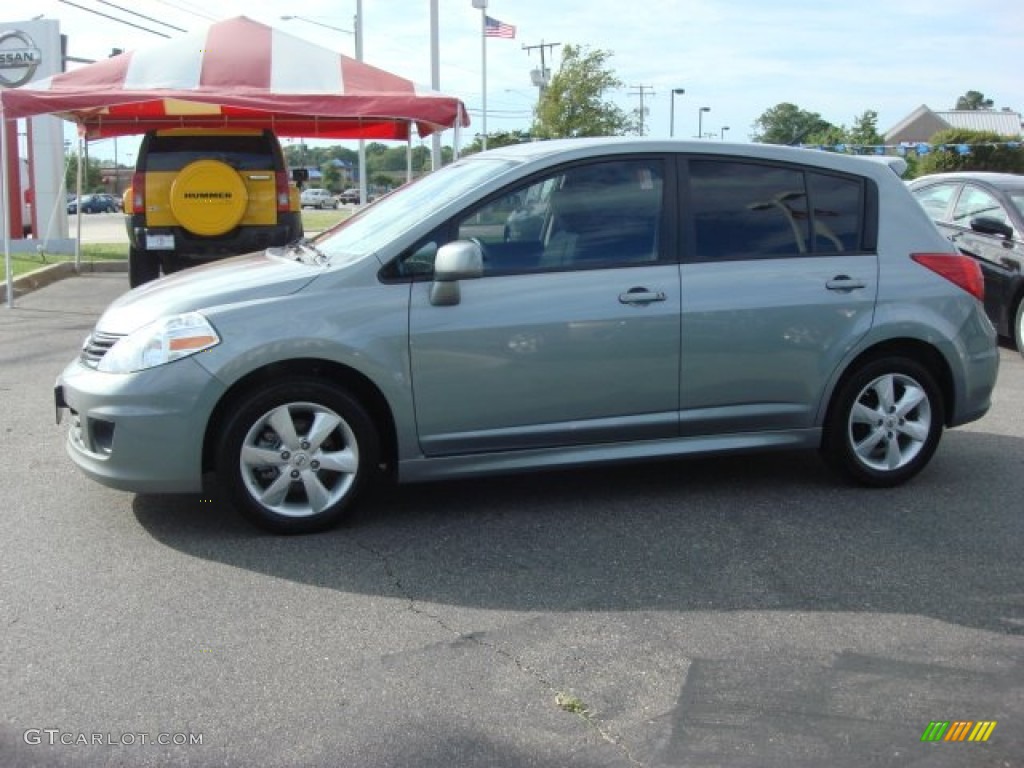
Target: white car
[317, 198]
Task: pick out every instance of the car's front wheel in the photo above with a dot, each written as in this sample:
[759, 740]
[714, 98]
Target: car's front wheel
[885, 423]
[294, 455]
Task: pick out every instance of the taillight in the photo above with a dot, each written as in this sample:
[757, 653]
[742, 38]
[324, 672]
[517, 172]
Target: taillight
[138, 201]
[962, 271]
[282, 190]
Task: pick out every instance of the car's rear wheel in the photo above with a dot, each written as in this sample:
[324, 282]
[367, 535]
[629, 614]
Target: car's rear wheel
[885, 423]
[142, 267]
[294, 455]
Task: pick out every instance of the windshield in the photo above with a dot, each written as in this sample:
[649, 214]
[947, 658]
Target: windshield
[378, 225]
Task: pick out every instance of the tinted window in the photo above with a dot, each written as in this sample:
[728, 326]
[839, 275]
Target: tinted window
[604, 214]
[244, 153]
[836, 224]
[745, 210]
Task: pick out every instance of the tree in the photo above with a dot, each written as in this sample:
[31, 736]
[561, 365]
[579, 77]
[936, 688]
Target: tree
[573, 104]
[92, 177]
[863, 133]
[331, 176]
[974, 100]
[786, 123]
[987, 152]
[497, 139]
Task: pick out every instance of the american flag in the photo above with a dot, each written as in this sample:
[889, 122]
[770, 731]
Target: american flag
[495, 28]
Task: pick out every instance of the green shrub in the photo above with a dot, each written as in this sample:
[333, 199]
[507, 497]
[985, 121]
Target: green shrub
[988, 152]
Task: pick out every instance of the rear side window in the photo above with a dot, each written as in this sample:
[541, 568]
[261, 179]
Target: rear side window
[243, 153]
[744, 210]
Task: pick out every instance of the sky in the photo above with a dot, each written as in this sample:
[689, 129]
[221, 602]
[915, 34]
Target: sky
[738, 58]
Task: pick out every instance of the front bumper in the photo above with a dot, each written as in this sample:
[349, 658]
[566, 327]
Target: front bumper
[141, 432]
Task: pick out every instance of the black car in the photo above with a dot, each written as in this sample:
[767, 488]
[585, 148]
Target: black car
[983, 214]
[98, 203]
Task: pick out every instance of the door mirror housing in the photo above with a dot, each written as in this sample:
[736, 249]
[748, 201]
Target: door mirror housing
[461, 260]
[989, 225]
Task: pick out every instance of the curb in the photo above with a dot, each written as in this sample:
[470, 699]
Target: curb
[39, 278]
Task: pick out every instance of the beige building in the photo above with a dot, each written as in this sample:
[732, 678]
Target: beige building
[923, 123]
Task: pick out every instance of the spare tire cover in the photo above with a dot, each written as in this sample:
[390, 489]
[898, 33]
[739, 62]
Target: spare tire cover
[208, 197]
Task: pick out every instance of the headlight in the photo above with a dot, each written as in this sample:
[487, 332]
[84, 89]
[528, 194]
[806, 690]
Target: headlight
[160, 342]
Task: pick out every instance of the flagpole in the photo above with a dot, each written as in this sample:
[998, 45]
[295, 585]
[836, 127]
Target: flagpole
[482, 5]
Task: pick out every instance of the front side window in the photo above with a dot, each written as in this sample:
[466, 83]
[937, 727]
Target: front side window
[744, 210]
[605, 214]
[935, 199]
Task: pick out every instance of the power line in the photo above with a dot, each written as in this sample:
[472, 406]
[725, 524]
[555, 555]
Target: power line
[190, 10]
[113, 18]
[142, 16]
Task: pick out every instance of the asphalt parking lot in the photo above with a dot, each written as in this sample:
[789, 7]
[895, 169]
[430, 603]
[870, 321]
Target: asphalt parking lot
[739, 612]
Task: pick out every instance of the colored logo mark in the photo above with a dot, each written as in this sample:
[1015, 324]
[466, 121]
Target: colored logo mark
[958, 730]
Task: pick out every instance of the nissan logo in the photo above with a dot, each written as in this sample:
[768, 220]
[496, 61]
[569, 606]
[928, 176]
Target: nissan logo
[19, 59]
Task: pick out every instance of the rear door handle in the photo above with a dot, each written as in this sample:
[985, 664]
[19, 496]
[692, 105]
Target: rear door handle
[844, 283]
[641, 296]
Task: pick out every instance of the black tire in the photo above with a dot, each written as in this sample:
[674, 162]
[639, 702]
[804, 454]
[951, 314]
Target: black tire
[1018, 327]
[171, 262]
[269, 466]
[142, 267]
[884, 423]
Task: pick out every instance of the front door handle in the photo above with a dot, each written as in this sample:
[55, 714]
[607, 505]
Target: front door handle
[641, 296]
[844, 283]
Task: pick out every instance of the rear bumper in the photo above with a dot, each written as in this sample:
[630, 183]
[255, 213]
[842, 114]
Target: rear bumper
[242, 239]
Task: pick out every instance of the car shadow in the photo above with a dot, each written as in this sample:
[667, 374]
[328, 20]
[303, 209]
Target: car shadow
[750, 533]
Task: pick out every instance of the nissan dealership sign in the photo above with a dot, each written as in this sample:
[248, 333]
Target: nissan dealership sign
[20, 57]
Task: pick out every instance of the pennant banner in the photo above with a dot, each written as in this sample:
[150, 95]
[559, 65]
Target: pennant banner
[919, 148]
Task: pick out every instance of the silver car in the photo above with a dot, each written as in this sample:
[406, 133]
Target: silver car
[654, 300]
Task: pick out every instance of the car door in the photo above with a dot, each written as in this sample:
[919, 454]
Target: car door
[571, 334]
[999, 254]
[778, 283]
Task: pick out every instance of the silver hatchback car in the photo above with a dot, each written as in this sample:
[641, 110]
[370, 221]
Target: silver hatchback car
[546, 305]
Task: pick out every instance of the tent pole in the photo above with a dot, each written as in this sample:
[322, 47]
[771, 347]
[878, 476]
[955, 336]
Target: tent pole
[408, 154]
[5, 162]
[78, 208]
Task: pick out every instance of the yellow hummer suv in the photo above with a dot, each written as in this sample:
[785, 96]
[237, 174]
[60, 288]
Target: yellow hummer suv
[202, 194]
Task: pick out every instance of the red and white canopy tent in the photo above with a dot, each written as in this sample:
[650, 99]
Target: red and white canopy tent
[237, 73]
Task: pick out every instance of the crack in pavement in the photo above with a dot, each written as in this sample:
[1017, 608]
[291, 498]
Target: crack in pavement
[557, 694]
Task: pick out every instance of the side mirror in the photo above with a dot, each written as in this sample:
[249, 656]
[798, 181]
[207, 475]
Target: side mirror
[989, 225]
[300, 175]
[461, 260]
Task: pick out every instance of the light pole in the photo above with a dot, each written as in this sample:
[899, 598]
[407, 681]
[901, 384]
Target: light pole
[724, 129]
[700, 121]
[672, 116]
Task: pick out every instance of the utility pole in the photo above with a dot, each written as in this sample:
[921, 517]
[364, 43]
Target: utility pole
[540, 77]
[644, 89]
